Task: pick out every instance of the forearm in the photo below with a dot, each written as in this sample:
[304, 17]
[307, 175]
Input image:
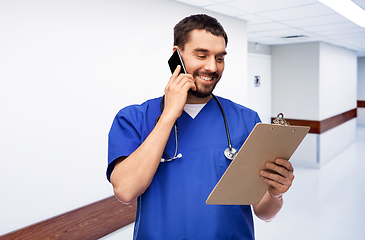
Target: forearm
[268, 207]
[133, 175]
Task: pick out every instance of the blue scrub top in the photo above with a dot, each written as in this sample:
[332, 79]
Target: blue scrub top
[173, 207]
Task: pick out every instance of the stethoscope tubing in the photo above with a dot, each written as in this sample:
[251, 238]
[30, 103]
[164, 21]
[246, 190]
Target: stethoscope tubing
[230, 152]
[225, 121]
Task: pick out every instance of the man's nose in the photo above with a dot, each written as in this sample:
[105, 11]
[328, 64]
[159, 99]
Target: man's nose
[211, 65]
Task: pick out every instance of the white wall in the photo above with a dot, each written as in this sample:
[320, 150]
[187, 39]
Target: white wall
[361, 78]
[258, 48]
[259, 98]
[337, 80]
[125, 233]
[361, 117]
[315, 81]
[338, 87]
[361, 90]
[336, 140]
[66, 68]
[295, 76]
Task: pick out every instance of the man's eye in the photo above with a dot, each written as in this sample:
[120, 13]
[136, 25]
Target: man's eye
[201, 56]
[220, 59]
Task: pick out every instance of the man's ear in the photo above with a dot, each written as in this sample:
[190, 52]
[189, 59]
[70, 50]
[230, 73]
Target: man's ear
[175, 47]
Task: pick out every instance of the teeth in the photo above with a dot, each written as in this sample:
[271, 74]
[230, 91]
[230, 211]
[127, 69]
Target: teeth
[206, 78]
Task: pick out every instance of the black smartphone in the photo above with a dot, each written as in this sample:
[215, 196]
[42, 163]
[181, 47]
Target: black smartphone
[176, 60]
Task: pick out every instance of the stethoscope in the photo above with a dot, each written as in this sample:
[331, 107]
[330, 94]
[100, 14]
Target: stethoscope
[229, 152]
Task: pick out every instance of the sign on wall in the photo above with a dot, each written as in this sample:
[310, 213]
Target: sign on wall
[257, 81]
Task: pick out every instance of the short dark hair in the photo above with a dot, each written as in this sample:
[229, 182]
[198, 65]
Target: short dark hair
[183, 29]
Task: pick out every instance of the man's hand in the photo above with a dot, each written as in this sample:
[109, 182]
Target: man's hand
[176, 93]
[281, 182]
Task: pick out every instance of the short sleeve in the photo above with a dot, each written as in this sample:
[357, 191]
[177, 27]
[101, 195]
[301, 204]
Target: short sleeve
[124, 135]
[258, 119]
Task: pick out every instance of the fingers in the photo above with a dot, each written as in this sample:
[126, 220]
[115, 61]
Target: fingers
[282, 167]
[276, 189]
[176, 93]
[175, 74]
[180, 83]
[280, 176]
[285, 163]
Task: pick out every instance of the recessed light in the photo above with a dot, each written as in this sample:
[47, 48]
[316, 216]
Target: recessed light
[294, 37]
[348, 9]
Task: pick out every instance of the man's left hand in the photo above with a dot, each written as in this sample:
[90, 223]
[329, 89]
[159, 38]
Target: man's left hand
[280, 181]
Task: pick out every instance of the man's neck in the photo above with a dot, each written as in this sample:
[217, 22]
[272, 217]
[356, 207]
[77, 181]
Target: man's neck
[197, 100]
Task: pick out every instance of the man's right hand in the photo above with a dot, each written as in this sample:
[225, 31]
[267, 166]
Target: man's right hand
[176, 93]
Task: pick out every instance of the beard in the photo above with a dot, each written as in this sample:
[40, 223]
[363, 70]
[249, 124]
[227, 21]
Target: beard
[200, 94]
[204, 91]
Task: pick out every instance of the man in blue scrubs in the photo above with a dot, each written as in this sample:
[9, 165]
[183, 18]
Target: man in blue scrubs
[171, 194]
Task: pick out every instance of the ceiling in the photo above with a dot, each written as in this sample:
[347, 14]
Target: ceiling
[273, 22]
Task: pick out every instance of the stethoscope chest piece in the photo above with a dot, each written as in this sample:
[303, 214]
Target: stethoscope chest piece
[230, 153]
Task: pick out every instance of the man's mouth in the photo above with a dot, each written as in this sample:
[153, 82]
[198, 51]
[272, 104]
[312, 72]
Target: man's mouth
[206, 78]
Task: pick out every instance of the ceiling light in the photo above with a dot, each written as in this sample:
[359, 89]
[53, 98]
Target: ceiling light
[348, 9]
[294, 36]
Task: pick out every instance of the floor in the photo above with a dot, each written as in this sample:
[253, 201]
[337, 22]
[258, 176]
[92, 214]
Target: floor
[323, 204]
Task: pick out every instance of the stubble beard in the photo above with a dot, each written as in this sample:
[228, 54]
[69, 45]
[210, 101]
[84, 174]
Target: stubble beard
[203, 92]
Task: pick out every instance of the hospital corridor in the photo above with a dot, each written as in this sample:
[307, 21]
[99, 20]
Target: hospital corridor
[82, 86]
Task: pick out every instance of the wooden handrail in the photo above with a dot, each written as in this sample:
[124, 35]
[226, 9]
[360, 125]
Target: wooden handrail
[319, 127]
[361, 104]
[92, 221]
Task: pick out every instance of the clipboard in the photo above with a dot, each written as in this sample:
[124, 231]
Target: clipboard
[241, 183]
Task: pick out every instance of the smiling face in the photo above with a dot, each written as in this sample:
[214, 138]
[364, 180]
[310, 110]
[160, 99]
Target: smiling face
[203, 56]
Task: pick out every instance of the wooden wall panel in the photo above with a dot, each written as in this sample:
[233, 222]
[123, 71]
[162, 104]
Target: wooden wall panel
[319, 127]
[89, 222]
[361, 104]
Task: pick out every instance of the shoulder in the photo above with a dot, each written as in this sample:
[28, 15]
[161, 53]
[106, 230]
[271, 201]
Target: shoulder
[232, 106]
[139, 110]
[138, 115]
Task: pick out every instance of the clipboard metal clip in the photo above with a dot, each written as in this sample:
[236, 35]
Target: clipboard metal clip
[280, 120]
